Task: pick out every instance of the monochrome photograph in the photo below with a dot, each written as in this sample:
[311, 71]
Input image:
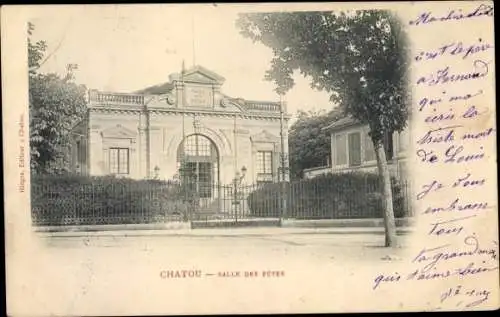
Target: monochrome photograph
[189, 148]
[186, 149]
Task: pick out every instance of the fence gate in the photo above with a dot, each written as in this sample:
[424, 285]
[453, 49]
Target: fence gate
[229, 206]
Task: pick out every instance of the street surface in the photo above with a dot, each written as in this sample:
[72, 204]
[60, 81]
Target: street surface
[325, 244]
[201, 271]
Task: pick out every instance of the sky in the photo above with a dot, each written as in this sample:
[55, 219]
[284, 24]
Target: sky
[126, 48]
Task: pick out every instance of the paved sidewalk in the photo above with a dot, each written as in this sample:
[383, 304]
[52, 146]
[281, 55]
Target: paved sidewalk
[220, 232]
[229, 226]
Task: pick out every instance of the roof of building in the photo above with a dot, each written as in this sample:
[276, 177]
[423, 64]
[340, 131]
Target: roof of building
[214, 77]
[159, 89]
[194, 74]
[201, 75]
[341, 123]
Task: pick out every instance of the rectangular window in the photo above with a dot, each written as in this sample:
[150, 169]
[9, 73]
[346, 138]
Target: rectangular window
[354, 141]
[78, 159]
[119, 160]
[205, 175]
[369, 150]
[340, 149]
[264, 166]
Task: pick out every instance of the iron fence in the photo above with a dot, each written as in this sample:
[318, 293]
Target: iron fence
[102, 204]
[327, 200]
[132, 202]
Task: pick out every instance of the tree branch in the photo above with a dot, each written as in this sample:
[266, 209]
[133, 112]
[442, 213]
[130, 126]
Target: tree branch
[57, 47]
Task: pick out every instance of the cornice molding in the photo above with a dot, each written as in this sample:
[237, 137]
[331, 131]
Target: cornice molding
[179, 112]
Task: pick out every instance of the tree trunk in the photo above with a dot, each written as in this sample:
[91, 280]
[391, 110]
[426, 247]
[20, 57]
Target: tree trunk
[383, 171]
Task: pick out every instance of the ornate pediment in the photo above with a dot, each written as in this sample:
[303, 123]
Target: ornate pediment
[264, 136]
[118, 132]
[200, 75]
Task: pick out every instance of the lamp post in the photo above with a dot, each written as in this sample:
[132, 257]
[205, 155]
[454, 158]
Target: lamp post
[237, 182]
[157, 172]
[283, 156]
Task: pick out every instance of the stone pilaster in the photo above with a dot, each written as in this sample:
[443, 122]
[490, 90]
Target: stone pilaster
[244, 153]
[179, 90]
[143, 146]
[95, 153]
[155, 149]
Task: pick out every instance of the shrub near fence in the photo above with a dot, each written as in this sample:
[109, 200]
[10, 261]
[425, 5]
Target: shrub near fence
[333, 196]
[78, 200]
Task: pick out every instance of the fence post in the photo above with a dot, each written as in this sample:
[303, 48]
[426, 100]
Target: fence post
[283, 200]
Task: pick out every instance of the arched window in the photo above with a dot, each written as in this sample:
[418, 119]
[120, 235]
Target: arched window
[198, 164]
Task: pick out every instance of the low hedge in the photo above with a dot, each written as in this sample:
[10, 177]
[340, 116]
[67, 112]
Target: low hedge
[333, 196]
[79, 200]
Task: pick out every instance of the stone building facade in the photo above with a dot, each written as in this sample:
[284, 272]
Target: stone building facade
[352, 150]
[187, 120]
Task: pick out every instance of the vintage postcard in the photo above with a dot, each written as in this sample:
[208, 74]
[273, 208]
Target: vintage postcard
[178, 159]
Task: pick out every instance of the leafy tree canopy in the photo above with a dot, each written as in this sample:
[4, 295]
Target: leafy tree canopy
[36, 51]
[56, 105]
[309, 143]
[359, 57]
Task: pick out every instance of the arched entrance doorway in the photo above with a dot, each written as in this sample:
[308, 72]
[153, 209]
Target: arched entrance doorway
[198, 165]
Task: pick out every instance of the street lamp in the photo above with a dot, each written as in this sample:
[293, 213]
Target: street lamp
[237, 182]
[243, 172]
[157, 172]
